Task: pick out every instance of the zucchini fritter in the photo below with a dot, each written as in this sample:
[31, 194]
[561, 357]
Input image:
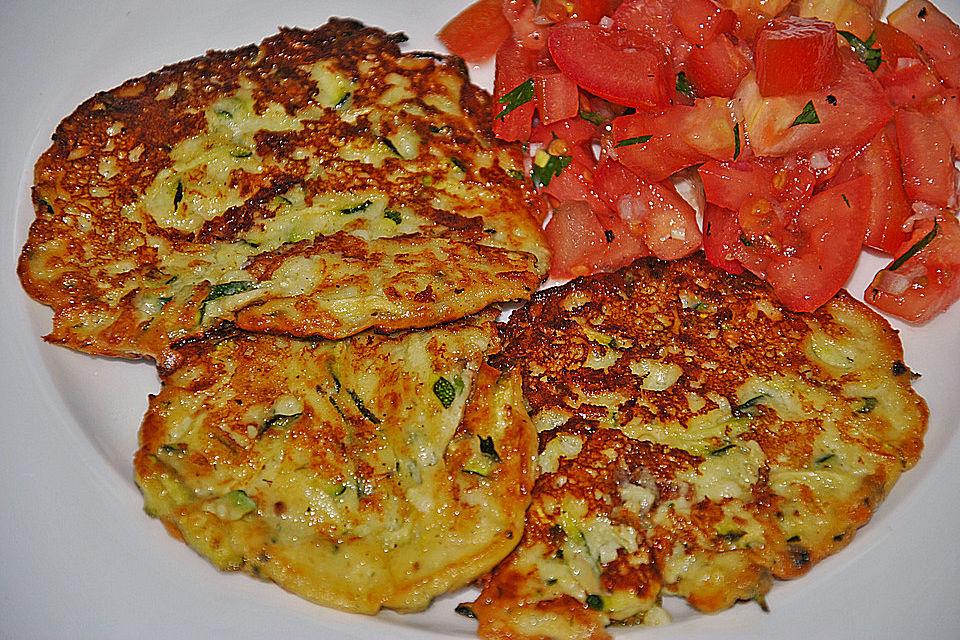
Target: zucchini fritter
[318, 184]
[696, 439]
[375, 471]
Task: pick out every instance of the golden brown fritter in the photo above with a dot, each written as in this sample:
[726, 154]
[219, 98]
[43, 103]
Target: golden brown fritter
[696, 439]
[375, 471]
[317, 184]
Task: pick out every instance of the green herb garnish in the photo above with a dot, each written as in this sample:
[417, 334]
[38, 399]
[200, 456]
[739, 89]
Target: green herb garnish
[912, 251]
[807, 116]
[635, 140]
[864, 49]
[542, 175]
[392, 215]
[736, 140]
[516, 97]
[592, 117]
[595, 602]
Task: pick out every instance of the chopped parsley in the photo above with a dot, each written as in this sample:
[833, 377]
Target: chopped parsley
[592, 117]
[635, 140]
[392, 215]
[912, 251]
[807, 116]
[864, 49]
[683, 85]
[543, 173]
[516, 98]
[736, 140]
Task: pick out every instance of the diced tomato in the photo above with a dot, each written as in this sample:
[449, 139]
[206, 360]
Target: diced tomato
[515, 65]
[476, 33]
[887, 208]
[612, 180]
[655, 19]
[670, 228]
[788, 182]
[721, 236]
[654, 212]
[904, 71]
[617, 65]
[573, 130]
[576, 238]
[701, 21]
[621, 246]
[717, 67]
[680, 136]
[926, 159]
[928, 282]
[521, 16]
[557, 96]
[821, 248]
[935, 32]
[850, 111]
[848, 15]
[796, 55]
[730, 184]
[574, 183]
[945, 109]
[753, 14]
[556, 11]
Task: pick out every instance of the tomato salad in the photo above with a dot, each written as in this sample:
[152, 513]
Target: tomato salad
[781, 137]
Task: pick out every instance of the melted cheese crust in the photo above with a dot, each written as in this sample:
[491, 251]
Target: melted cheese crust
[696, 439]
[317, 184]
[378, 471]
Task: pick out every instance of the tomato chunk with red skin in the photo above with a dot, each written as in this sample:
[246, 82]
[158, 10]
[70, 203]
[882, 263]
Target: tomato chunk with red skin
[717, 67]
[655, 19]
[796, 55]
[818, 270]
[887, 208]
[515, 65]
[476, 33]
[932, 275]
[935, 32]
[576, 239]
[945, 109]
[557, 96]
[556, 11]
[680, 136]
[926, 159]
[850, 111]
[701, 21]
[621, 66]
[721, 237]
[904, 71]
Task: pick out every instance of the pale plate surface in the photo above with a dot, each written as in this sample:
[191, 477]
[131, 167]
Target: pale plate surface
[79, 557]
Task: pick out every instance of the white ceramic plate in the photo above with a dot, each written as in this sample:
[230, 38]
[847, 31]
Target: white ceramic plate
[80, 559]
